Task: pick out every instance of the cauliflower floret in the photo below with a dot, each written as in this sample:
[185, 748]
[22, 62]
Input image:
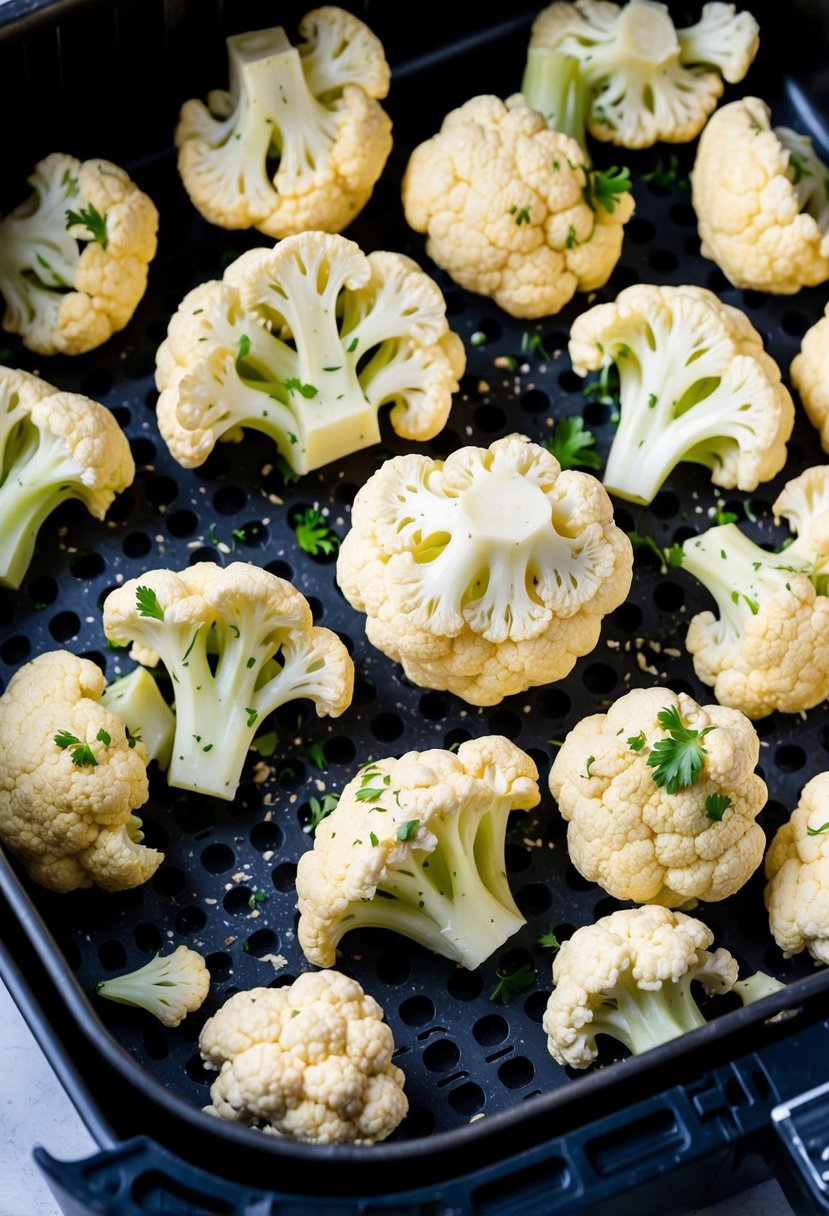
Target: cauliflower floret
[509, 209]
[168, 987]
[767, 649]
[74, 255]
[417, 845]
[649, 80]
[661, 799]
[147, 716]
[629, 976]
[70, 781]
[488, 573]
[797, 869]
[761, 202]
[306, 343]
[810, 375]
[300, 139]
[311, 1061]
[695, 384]
[237, 643]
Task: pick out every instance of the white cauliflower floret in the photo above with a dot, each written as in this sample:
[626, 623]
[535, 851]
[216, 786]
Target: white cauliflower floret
[307, 342]
[74, 255]
[147, 716]
[485, 574]
[629, 976]
[311, 1061]
[511, 209]
[417, 845]
[767, 648]
[53, 446]
[649, 80]
[761, 202]
[69, 780]
[237, 642]
[797, 869]
[810, 375]
[661, 799]
[300, 139]
[168, 987]
[695, 385]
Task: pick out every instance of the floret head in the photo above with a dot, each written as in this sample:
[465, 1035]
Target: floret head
[797, 869]
[810, 376]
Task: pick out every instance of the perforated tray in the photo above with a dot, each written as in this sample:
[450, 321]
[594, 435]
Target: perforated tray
[462, 1054]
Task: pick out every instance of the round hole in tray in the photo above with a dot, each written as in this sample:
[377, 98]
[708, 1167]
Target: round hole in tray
[417, 1010]
[553, 703]
[229, 500]
[441, 1055]
[535, 402]
[86, 564]
[155, 1042]
[364, 692]
[490, 419]
[678, 686]
[665, 505]
[599, 678]
[204, 554]
[43, 591]
[795, 323]
[386, 727]
[161, 491]
[434, 706]
[168, 880]
[683, 214]
[220, 965]
[418, 1122]
[393, 968]
[217, 858]
[535, 1006]
[64, 626]
[147, 937]
[505, 722]
[627, 617]
[263, 941]
[789, 758]
[237, 901]
[491, 1029]
[454, 738]
[198, 1072]
[15, 650]
[668, 597]
[190, 920]
[464, 985]
[517, 857]
[516, 1073]
[267, 836]
[136, 544]
[284, 876]
[112, 956]
[534, 899]
[467, 1099]
[182, 523]
[663, 260]
[576, 881]
[569, 382]
[281, 570]
[640, 231]
[339, 749]
[143, 452]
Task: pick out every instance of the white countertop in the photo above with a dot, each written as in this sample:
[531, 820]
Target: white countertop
[35, 1110]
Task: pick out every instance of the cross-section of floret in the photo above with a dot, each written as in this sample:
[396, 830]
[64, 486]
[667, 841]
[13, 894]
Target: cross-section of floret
[417, 845]
[797, 869]
[300, 138]
[307, 342]
[485, 574]
[649, 80]
[695, 385]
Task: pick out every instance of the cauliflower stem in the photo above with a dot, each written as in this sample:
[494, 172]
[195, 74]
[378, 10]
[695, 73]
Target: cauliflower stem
[642, 1018]
[552, 84]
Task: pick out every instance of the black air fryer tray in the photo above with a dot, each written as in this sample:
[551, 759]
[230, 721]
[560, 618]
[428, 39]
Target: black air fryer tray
[709, 1094]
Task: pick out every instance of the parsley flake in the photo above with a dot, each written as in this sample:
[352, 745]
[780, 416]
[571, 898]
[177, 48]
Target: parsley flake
[146, 603]
[294, 384]
[716, 805]
[677, 760]
[573, 444]
[91, 219]
[509, 984]
[314, 535]
[408, 829]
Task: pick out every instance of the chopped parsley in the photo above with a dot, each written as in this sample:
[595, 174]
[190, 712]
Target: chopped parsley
[677, 760]
[548, 939]
[314, 535]
[716, 805]
[146, 603]
[91, 219]
[294, 384]
[573, 445]
[82, 754]
[509, 984]
[637, 742]
[606, 188]
[522, 214]
[817, 831]
[243, 347]
[408, 829]
[320, 809]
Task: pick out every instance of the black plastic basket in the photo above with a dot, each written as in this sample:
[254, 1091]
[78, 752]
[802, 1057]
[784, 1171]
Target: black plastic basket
[680, 1125]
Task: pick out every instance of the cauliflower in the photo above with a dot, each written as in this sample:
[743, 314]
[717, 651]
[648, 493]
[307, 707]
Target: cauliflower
[485, 574]
[300, 139]
[512, 210]
[649, 81]
[768, 648]
[74, 255]
[661, 799]
[797, 869]
[306, 343]
[237, 643]
[761, 201]
[695, 385]
[417, 845]
[147, 716]
[311, 1061]
[810, 375]
[53, 446]
[69, 780]
[629, 976]
[169, 987]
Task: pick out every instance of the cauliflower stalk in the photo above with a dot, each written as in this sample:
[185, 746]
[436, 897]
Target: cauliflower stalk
[695, 385]
[485, 574]
[765, 650]
[661, 799]
[417, 845]
[810, 374]
[237, 643]
[70, 779]
[310, 1061]
[147, 716]
[630, 976]
[300, 139]
[510, 207]
[169, 988]
[306, 342]
[74, 255]
[761, 202]
[797, 869]
[53, 446]
[649, 80]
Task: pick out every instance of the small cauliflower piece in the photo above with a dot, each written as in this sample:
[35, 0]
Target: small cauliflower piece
[417, 845]
[661, 799]
[649, 80]
[695, 385]
[629, 976]
[74, 255]
[306, 343]
[761, 202]
[311, 1061]
[769, 647]
[53, 446]
[136, 700]
[487, 573]
[69, 781]
[797, 869]
[810, 374]
[300, 139]
[510, 209]
[169, 988]
[237, 643]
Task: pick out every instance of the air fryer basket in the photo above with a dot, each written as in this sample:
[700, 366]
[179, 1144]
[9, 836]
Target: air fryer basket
[464, 1056]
